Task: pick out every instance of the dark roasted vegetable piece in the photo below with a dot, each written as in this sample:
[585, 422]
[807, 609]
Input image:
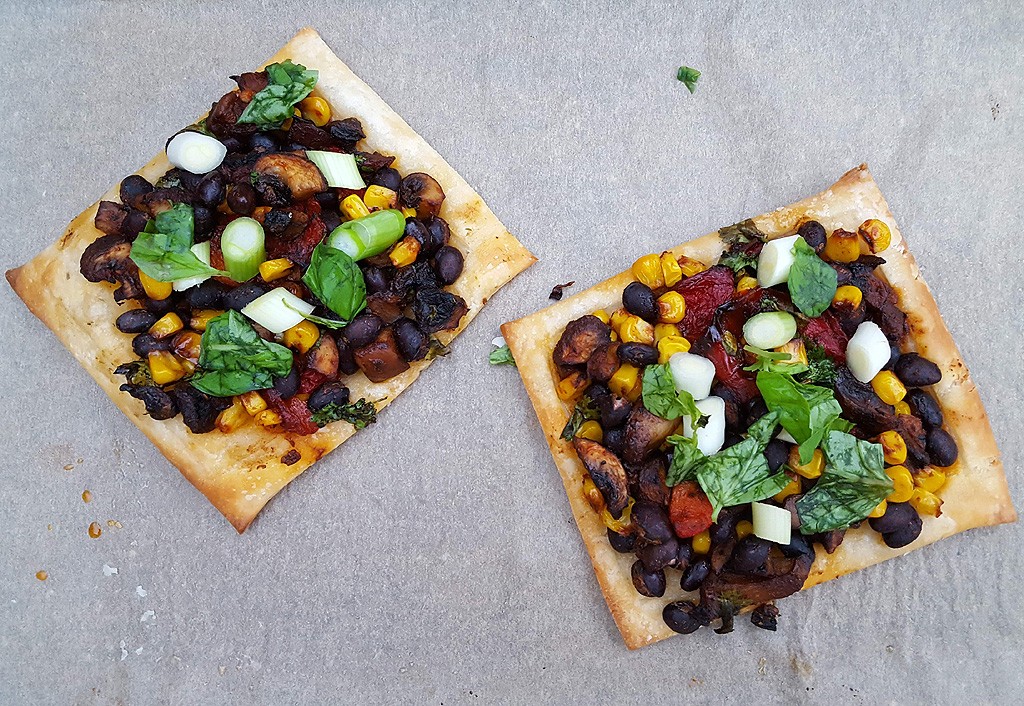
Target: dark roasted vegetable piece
[135, 321]
[765, 617]
[924, 406]
[198, 409]
[647, 583]
[648, 482]
[784, 574]
[644, 433]
[831, 540]
[370, 162]
[942, 447]
[323, 357]
[159, 404]
[437, 310]
[132, 189]
[271, 190]
[603, 363]
[813, 234]
[381, 360]
[861, 405]
[110, 217]
[914, 370]
[419, 275]
[346, 133]
[386, 305]
[106, 260]
[614, 410]
[651, 522]
[223, 118]
[580, 339]
[303, 132]
[914, 436]
[412, 342]
[302, 177]
[422, 192]
[606, 471]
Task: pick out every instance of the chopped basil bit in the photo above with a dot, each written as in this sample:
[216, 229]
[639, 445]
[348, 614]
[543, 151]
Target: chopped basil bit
[741, 233]
[689, 77]
[807, 412]
[812, 282]
[163, 249]
[359, 414]
[288, 84]
[436, 349]
[233, 359]
[661, 397]
[582, 412]
[502, 356]
[820, 368]
[737, 261]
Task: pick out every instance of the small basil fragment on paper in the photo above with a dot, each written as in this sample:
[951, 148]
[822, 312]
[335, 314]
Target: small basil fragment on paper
[689, 77]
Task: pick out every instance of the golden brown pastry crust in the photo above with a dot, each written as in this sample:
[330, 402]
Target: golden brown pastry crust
[976, 496]
[240, 472]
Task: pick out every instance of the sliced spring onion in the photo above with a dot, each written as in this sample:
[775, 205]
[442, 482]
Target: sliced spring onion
[692, 373]
[368, 236]
[195, 152]
[711, 436]
[775, 261]
[770, 329]
[772, 523]
[340, 170]
[242, 246]
[277, 310]
[867, 352]
[201, 251]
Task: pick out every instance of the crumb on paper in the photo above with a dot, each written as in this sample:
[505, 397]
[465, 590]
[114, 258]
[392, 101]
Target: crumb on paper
[114, 523]
[138, 651]
[69, 467]
[109, 570]
[141, 592]
[147, 616]
[124, 652]
[762, 666]
[221, 669]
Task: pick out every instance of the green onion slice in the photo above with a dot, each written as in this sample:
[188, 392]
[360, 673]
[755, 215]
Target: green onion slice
[340, 170]
[368, 236]
[242, 245]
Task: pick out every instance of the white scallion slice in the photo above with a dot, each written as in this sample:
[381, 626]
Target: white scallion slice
[786, 436]
[201, 251]
[772, 523]
[340, 170]
[775, 261]
[242, 244]
[867, 352]
[692, 373]
[710, 437]
[195, 152]
[277, 310]
[770, 329]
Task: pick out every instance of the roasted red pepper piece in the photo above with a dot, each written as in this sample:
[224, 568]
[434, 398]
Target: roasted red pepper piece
[827, 333]
[295, 415]
[689, 510]
[704, 292]
[730, 373]
[310, 380]
[299, 249]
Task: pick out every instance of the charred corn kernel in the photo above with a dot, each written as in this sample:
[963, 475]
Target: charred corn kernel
[744, 528]
[603, 315]
[926, 503]
[876, 235]
[746, 283]
[154, 289]
[647, 270]
[842, 246]
[316, 110]
[796, 350]
[880, 510]
[593, 495]
[571, 386]
[671, 272]
[671, 308]
[624, 379]
[405, 252]
[849, 296]
[275, 269]
[287, 124]
[691, 267]
[670, 345]
[793, 488]
[268, 418]
[260, 212]
[409, 212]
[253, 402]
[202, 317]
[618, 317]
[888, 387]
[902, 484]
[930, 479]
[664, 331]
[636, 330]
[164, 367]
[233, 417]
[894, 448]
[186, 344]
[702, 542]
[353, 207]
[902, 408]
[620, 524]
[188, 365]
[811, 469]
[591, 430]
[166, 325]
[614, 336]
[301, 336]
[378, 198]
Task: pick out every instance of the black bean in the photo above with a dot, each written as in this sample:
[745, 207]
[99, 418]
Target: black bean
[203, 220]
[638, 354]
[694, 576]
[328, 201]
[924, 407]
[288, 386]
[331, 219]
[894, 355]
[388, 178]
[417, 229]
[659, 556]
[159, 306]
[596, 391]
[722, 530]
[915, 371]
[412, 343]
[211, 190]
[904, 535]
[135, 321]
[622, 543]
[731, 439]
[756, 409]
[897, 515]
[328, 393]
[647, 583]
[133, 188]
[440, 233]
[614, 439]
[232, 143]
[277, 221]
[242, 199]
[682, 616]
[684, 556]
[243, 295]
[640, 301]
[448, 262]
[652, 522]
[813, 234]
[942, 448]
[134, 222]
[146, 343]
[206, 295]
[377, 279]
[261, 142]
[749, 555]
[776, 453]
[346, 360]
[363, 330]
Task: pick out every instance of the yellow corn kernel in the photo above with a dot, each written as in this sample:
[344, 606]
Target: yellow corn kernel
[894, 448]
[744, 528]
[316, 109]
[930, 479]
[268, 418]
[842, 246]
[746, 283]
[670, 345]
[624, 379]
[593, 495]
[879, 510]
[614, 336]
[287, 124]
[876, 235]
[186, 345]
[603, 315]
[275, 269]
[792, 489]
[664, 331]
[188, 365]
[378, 198]
[926, 503]
[702, 542]
[409, 212]
[647, 270]
[166, 325]
[353, 207]
[691, 267]
[405, 252]
[165, 367]
[301, 336]
[902, 484]
[636, 330]
[154, 289]
[618, 317]
[811, 469]
[233, 417]
[202, 317]
[571, 386]
[671, 272]
[848, 295]
[902, 407]
[671, 308]
[253, 402]
[620, 525]
[888, 387]
[591, 430]
[797, 352]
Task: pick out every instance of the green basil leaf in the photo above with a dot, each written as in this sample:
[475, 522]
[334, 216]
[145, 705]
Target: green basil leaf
[358, 414]
[686, 459]
[805, 411]
[336, 280]
[288, 84]
[501, 356]
[737, 261]
[820, 368]
[812, 282]
[582, 412]
[162, 249]
[688, 77]
[741, 233]
[233, 359]
[854, 483]
[661, 397]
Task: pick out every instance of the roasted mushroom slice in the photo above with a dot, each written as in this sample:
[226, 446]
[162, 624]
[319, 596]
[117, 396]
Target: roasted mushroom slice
[422, 192]
[861, 405]
[438, 310]
[198, 409]
[644, 433]
[110, 217]
[603, 363]
[782, 573]
[301, 176]
[580, 339]
[106, 260]
[381, 360]
[323, 357]
[606, 471]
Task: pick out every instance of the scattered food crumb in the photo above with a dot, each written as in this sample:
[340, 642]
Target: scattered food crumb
[109, 570]
[890, 649]
[42, 575]
[69, 467]
[95, 530]
[78, 460]
[498, 341]
[49, 527]
[556, 291]
[86, 496]
[114, 523]
[138, 651]
[221, 669]
[762, 666]
[124, 652]
[147, 616]
[142, 593]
